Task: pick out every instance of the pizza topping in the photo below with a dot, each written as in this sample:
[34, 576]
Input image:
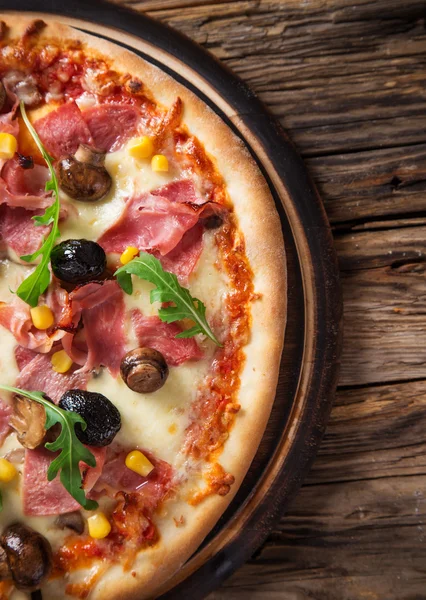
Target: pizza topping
[3, 96]
[144, 370]
[159, 162]
[8, 145]
[24, 188]
[139, 463]
[42, 317]
[111, 125]
[168, 289]
[24, 86]
[78, 261]
[5, 412]
[25, 555]
[43, 496]
[8, 471]
[83, 176]
[71, 520]
[154, 333]
[29, 422]
[141, 148]
[102, 418]
[61, 362]
[99, 526]
[63, 130]
[36, 284]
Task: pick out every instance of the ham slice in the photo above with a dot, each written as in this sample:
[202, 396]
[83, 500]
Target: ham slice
[18, 230]
[24, 188]
[38, 375]
[111, 125]
[149, 222]
[63, 129]
[182, 259]
[117, 477]
[182, 192]
[5, 412]
[101, 308]
[154, 333]
[42, 497]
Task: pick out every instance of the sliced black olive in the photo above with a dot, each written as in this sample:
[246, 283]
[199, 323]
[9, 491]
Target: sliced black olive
[102, 417]
[28, 556]
[144, 370]
[78, 261]
[83, 176]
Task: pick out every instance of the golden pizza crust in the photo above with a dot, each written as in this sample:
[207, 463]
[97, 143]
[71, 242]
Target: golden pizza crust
[259, 222]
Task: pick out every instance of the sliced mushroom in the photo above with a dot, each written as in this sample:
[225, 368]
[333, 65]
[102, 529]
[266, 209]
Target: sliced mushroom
[71, 520]
[28, 420]
[84, 176]
[26, 556]
[144, 370]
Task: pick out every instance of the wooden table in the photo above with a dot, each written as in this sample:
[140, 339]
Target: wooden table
[347, 79]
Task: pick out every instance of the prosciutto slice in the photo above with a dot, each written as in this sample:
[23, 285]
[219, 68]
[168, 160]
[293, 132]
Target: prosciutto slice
[42, 497]
[18, 230]
[154, 333]
[111, 125]
[24, 188]
[182, 259]
[37, 374]
[101, 308]
[117, 477]
[63, 129]
[5, 412]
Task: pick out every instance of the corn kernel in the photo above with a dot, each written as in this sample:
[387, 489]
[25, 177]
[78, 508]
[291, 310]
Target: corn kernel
[42, 317]
[8, 145]
[138, 462]
[141, 147]
[61, 362]
[99, 526]
[159, 162]
[129, 254]
[7, 471]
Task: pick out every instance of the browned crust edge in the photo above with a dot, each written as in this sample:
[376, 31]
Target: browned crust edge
[260, 225]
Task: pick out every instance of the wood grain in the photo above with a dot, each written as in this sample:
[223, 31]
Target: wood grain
[347, 79]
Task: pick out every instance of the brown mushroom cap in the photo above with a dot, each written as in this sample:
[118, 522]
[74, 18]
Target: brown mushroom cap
[72, 520]
[28, 420]
[29, 555]
[144, 370]
[83, 176]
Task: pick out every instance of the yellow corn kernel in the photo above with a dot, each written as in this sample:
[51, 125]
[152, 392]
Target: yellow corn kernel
[138, 462]
[8, 145]
[129, 254]
[61, 362]
[7, 471]
[159, 162]
[99, 526]
[141, 147]
[42, 317]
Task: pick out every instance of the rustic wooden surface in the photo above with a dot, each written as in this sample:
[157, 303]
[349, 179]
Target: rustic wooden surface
[347, 79]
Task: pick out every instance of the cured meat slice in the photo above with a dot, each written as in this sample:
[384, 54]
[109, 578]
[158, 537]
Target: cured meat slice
[154, 333]
[111, 125]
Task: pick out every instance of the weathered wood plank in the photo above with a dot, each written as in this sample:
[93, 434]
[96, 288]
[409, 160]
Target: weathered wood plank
[311, 63]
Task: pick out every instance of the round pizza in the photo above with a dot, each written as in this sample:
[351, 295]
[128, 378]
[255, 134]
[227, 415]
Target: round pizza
[142, 316]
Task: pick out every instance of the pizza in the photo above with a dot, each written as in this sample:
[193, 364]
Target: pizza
[142, 316]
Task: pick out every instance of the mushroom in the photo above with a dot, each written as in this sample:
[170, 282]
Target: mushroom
[84, 176]
[71, 520]
[25, 555]
[144, 370]
[28, 420]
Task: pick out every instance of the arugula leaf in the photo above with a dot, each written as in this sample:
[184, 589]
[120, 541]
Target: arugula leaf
[36, 284]
[71, 449]
[168, 289]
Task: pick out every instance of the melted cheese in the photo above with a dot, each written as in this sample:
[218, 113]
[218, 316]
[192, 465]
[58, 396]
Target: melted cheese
[155, 422]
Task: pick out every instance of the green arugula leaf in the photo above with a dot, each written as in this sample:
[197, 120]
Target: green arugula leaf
[168, 289]
[72, 451]
[36, 284]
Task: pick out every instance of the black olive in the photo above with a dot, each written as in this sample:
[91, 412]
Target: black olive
[78, 261]
[102, 417]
